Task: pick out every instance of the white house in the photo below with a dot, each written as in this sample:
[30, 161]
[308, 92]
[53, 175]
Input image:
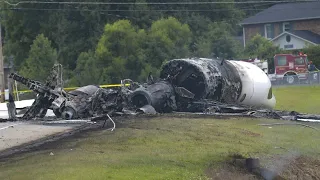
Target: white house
[291, 40]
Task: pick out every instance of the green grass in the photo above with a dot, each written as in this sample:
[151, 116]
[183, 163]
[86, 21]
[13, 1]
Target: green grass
[168, 148]
[302, 99]
[160, 149]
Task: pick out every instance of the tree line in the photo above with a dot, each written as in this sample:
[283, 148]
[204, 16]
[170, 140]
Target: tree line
[100, 44]
[125, 50]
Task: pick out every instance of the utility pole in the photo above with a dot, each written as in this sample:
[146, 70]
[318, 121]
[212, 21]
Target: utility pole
[2, 84]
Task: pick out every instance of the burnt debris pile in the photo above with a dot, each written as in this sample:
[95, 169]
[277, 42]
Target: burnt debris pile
[208, 86]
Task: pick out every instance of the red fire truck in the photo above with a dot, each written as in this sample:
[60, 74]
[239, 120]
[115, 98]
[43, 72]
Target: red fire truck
[289, 68]
[286, 68]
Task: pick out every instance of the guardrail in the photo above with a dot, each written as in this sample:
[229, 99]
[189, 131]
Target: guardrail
[311, 78]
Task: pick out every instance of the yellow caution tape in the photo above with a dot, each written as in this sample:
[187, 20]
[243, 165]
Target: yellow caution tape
[72, 88]
[112, 85]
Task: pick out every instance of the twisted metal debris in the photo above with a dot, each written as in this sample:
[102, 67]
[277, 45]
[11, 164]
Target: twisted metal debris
[185, 85]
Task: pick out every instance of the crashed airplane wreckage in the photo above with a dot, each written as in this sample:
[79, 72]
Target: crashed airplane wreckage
[185, 85]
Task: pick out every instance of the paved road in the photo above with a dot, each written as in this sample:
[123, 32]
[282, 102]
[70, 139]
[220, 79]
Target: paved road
[16, 133]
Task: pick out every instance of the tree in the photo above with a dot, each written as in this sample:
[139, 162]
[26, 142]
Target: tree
[261, 48]
[313, 52]
[40, 60]
[72, 28]
[75, 28]
[141, 14]
[218, 42]
[87, 71]
[73, 33]
[21, 28]
[119, 51]
[126, 51]
[157, 33]
[167, 39]
[214, 11]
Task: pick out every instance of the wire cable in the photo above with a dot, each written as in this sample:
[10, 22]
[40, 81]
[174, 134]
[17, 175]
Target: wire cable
[136, 10]
[129, 10]
[151, 3]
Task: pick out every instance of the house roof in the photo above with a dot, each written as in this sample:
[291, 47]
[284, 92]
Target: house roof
[286, 12]
[302, 34]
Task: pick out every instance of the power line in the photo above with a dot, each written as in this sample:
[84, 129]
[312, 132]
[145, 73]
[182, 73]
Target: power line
[141, 10]
[128, 10]
[151, 3]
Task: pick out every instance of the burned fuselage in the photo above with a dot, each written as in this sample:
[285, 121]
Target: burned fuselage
[222, 81]
[205, 78]
[183, 85]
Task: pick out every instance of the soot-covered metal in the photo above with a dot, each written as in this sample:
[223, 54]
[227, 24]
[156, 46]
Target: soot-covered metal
[160, 95]
[185, 85]
[205, 78]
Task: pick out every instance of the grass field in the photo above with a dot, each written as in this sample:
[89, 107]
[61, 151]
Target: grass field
[300, 98]
[171, 148]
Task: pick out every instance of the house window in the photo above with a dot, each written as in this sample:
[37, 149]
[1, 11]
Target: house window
[286, 26]
[288, 38]
[268, 31]
[288, 46]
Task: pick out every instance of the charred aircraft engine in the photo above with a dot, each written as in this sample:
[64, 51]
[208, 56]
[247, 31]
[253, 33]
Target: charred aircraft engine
[222, 81]
[160, 95]
[76, 105]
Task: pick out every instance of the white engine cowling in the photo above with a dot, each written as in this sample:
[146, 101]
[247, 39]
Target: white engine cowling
[256, 86]
[226, 81]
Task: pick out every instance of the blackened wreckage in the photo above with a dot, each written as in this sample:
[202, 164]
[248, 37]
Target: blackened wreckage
[185, 85]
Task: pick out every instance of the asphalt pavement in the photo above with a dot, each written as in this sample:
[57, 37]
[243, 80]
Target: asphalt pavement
[17, 133]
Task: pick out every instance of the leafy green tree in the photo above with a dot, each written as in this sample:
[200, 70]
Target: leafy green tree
[73, 35]
[215, 12]
[126, 51]
[76, 28]
[87, 71]
[167, 39]
[141, 14]
[21, 28]
[71, 32]
[261, 48]
[313, 53]
[218, 42]
[157, 33]
[40, 60]
[119, 51]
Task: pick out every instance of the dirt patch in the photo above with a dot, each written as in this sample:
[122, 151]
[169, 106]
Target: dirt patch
[288, 167]
[302, 168]
[230, 172]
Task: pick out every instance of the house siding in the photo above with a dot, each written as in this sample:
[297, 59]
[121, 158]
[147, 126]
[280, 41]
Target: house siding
[311, 25]
[277, 29]
[296, 43]
[252, 30]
